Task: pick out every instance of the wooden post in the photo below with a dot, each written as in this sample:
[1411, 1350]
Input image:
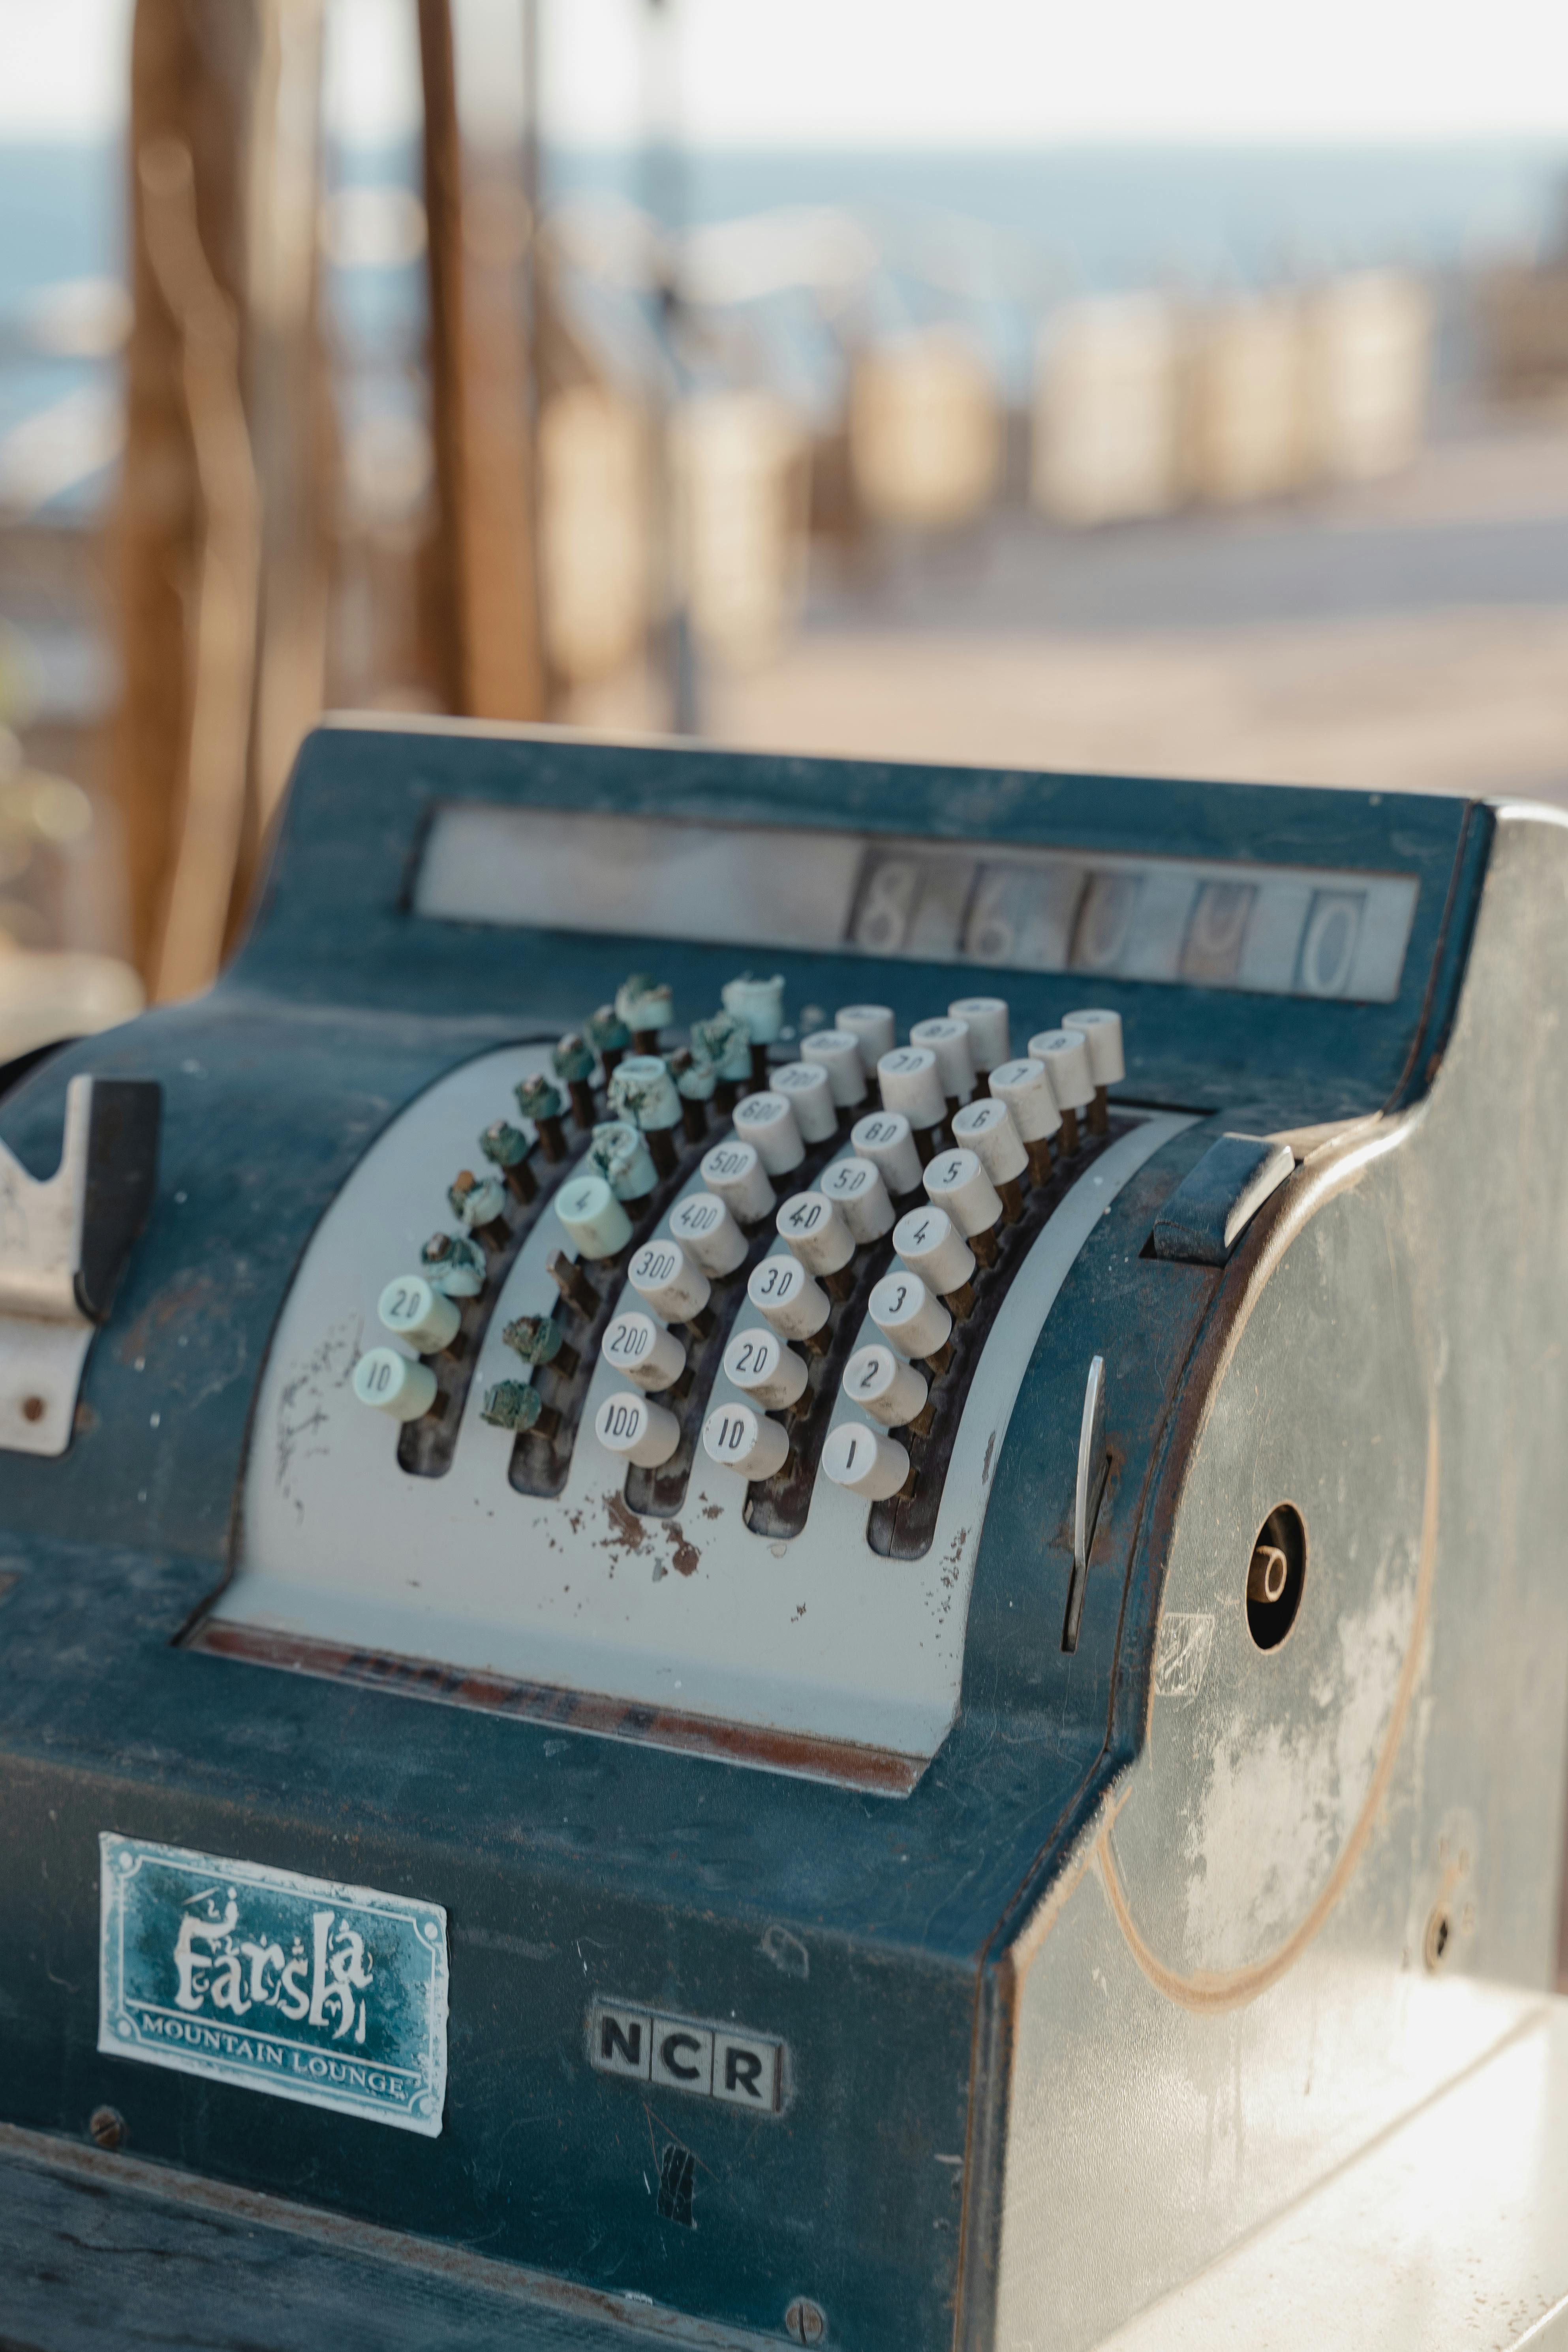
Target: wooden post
[222, 563]
[443, 269]
[287, 397]
[190, 69]
[204, 842]
[485, 626]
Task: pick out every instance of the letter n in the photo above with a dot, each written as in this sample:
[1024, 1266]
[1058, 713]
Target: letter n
[619, 2040]
[621, 2045]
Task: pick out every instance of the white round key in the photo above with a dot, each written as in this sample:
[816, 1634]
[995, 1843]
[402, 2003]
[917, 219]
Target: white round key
[986, 1129]
[931, 1246]
[725, 1041]
[482, 1203]
[768, 1373]
[768, 1124]
[621, 1157]
[949, 1040]
[758, 1003]
[883, 1385]
[457, 1265]
[1025, 1089]
[886, 1139]
[741, 1439]
[674, 1288]
[910, 1315]
[865, 1460]
[871, 1026]
[734, 1172]
[957, 1182]
[987, 1020]
[643, 1004]
[592, 1216]
[838, 1052]
[815, 1230]
[412, 1310]
[697, 1082]
[394, 1383]
[809, 1093]
[642, 1090]
[637, 1429]
[707, 1233]
[911, 1080]
[644, 1352]
[786, 1295]
[857, 1190]
[1101, 1032]
[1066, 1056]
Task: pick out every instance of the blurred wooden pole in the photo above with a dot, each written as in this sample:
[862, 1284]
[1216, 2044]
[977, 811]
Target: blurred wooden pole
[191, 62]
[204, 845]
[444, 265]
[222, 522]
[485, 649]
[288, 398]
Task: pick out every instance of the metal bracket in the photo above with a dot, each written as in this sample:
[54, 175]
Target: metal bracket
[63, 1245]
[1215, 1200]
[1088, 1490]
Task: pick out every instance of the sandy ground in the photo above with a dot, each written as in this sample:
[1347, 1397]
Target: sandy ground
[1457, 702]
[1410, 635]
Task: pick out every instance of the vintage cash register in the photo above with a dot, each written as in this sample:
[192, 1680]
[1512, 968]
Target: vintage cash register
[780, 1560]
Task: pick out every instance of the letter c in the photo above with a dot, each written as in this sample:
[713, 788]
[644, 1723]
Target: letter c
[678, 2042]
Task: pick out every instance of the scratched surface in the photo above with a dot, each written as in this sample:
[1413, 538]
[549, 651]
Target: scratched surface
[1235, 1981]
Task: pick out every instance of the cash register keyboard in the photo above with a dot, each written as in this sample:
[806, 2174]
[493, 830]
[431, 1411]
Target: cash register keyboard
[510, 1527]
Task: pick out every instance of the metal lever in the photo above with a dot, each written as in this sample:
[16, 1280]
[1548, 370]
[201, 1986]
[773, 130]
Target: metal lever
[1093, 1465]
[63, 1246]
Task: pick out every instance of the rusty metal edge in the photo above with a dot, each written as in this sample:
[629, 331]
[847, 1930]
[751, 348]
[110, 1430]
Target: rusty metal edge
[459, 2266]
[878, 1771]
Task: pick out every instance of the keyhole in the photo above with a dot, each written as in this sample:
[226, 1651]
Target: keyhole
[1275, 1575]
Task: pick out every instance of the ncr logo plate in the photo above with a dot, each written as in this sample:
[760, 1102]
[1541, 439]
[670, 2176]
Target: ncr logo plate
[709, 2060]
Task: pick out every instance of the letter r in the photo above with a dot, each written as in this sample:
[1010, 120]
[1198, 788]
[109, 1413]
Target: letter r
[743, 2069]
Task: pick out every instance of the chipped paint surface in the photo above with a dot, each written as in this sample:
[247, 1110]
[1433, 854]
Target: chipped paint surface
[684, 1556]
[627, 1532]
[1262, 1772]
[1226, 1991]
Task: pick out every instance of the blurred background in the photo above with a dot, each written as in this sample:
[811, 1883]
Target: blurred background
[1146, 390]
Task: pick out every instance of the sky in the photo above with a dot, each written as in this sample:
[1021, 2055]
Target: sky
[963, 73]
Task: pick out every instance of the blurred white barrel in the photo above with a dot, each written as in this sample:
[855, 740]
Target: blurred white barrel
[1106, 442]
[1249, 408]
[1370, 338]
[742, 466]
[595, 532]
[925, 430]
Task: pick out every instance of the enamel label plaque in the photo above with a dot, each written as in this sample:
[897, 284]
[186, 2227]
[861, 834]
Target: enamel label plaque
[332, 1995]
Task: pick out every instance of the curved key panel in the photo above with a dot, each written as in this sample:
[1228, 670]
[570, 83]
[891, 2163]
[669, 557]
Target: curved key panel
[697, 1612]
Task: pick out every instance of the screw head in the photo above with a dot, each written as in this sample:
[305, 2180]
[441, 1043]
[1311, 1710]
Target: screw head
[806, 2321]
[105, 2127]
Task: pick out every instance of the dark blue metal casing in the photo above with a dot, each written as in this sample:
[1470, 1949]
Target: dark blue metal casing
[860, 1930]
